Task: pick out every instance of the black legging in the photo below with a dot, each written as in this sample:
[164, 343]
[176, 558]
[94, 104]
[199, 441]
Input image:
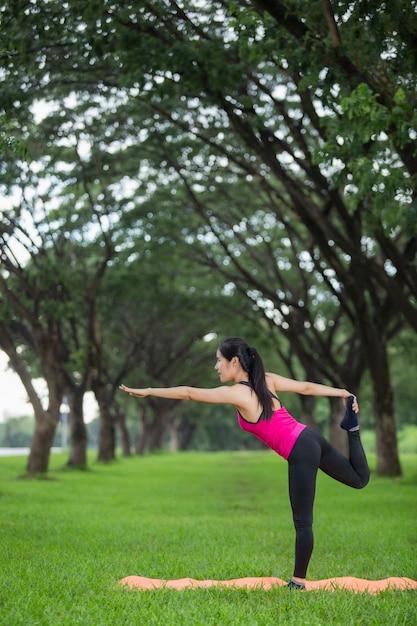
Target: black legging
[311, 452]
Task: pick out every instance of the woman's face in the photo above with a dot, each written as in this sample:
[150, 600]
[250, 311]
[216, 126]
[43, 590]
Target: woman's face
[224, 368]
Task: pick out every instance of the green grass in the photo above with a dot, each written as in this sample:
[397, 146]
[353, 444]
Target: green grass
[67, 540]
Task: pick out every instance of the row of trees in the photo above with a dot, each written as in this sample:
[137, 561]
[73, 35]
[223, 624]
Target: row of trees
[197, 168]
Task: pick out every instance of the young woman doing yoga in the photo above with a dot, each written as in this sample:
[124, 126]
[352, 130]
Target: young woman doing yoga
[260, 412]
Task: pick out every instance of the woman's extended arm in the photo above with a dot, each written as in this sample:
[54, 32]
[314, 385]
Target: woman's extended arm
[215, 395]
[306, 388]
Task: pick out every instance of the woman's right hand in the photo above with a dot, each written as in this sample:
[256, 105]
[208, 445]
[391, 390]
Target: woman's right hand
[137, 393]
[355, 404]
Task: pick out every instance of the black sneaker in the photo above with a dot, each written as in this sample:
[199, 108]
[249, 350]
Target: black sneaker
[294, 585]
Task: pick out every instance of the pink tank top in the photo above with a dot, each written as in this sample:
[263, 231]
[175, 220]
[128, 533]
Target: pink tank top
[279, 433]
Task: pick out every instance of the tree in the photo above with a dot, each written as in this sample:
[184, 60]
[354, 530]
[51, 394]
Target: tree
[163, 310]
[274, 92]
[49, 315]
[308, 191]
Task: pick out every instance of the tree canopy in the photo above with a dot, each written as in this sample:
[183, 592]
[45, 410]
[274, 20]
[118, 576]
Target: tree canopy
[272, 143]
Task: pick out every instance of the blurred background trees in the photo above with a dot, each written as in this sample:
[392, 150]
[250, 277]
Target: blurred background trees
[199, 169]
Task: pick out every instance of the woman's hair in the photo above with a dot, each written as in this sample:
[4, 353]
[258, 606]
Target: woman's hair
[252, 363]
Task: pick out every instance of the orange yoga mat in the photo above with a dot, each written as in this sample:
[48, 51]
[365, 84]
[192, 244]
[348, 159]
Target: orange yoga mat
[141, 583]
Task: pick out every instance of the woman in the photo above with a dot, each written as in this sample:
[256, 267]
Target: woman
[261, 413]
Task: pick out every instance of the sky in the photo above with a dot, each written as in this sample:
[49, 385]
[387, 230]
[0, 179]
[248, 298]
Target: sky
[13, 397]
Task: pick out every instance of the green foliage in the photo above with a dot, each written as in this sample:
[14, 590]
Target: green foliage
[11, 146]
[205, 516]
[239, 137]
[371, 171]
[403, 362]
[16, 432]
[408, 440]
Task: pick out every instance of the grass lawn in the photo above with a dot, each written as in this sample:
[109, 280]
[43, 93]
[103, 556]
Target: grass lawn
[67, 540]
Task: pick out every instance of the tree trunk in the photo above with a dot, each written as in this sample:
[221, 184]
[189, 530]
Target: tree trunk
[107, 428]
[174, 433]
[388, 462]
[141, 442]
[307, 411]
[124, 434]
[78, 451]
[375, 346]
[45, 426]
[156, 429]
[107, 436]
[46, 421]
[187, 432]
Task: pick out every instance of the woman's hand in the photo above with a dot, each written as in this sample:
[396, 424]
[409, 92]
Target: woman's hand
[137, 393]
[355, 404]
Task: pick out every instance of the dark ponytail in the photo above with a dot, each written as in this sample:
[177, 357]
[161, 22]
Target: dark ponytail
[252, 363]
